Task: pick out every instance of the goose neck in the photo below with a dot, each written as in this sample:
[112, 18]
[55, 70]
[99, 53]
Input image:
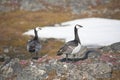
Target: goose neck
[76, 35]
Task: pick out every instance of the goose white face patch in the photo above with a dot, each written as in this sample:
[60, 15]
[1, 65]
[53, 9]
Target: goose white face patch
[77, 27]
[77, 49]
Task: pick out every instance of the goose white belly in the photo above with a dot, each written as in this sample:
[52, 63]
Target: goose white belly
[77, 49]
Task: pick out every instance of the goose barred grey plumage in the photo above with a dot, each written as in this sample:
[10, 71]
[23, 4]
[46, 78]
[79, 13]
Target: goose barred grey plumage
[33, 45]
[72, 47]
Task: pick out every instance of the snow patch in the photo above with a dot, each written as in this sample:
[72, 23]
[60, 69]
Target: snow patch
[95, 31]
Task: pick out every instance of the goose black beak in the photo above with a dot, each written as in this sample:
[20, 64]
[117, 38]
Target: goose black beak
[78, 25]
[38, 28]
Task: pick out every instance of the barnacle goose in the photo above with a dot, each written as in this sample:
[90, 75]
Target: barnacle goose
[34, 45]
[72, 47]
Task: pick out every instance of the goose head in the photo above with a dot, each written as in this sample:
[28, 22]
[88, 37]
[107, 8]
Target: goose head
[59, 52]
[77, 26]
[37, 28]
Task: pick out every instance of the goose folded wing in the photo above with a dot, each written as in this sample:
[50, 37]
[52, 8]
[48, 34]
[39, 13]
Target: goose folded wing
[68, 47]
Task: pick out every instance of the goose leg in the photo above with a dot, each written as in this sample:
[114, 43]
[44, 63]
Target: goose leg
[36, 54]
[32, 55]
[73, 57]
[66, 57]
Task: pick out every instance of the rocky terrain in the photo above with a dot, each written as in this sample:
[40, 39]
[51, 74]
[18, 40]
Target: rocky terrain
[90, 64]
[84, 8]
[73, 6]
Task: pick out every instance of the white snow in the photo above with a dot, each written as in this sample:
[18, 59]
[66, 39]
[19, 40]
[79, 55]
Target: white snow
[95, 31]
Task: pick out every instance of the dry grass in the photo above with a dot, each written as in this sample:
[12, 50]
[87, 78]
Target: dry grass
[13, 24]
[52, 48]
[20, 21]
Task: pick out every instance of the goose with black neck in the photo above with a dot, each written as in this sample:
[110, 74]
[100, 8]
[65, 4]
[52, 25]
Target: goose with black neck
[72, 47]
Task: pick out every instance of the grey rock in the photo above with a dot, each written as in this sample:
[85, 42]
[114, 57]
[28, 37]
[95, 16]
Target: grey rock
[31, 5]
[4, 9]
[116, 47]
[11, 67]
[90, 71]
[57, 2]
[106, 49]
[113, 48]
[32, 72]
[4, 57]
[69, 71]
[90, 68]
[101, 70]
[76, 6]
[1, 77]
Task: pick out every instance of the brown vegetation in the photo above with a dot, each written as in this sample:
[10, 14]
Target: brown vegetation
[14, 24]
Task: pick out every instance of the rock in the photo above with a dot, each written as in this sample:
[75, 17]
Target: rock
[56, 70]
[116, 47]
[76, 6]
[101, 70]
[4, 9]
[10, 67]
[106, 49]
[31, 5]
[94, 65]
[57, 2]
[32, 72]
[90, 71]
[113, 48]
[4, 57]
[1, 77]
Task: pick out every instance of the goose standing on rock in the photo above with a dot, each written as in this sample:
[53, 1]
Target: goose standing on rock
[33, 45]
[72, 47]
